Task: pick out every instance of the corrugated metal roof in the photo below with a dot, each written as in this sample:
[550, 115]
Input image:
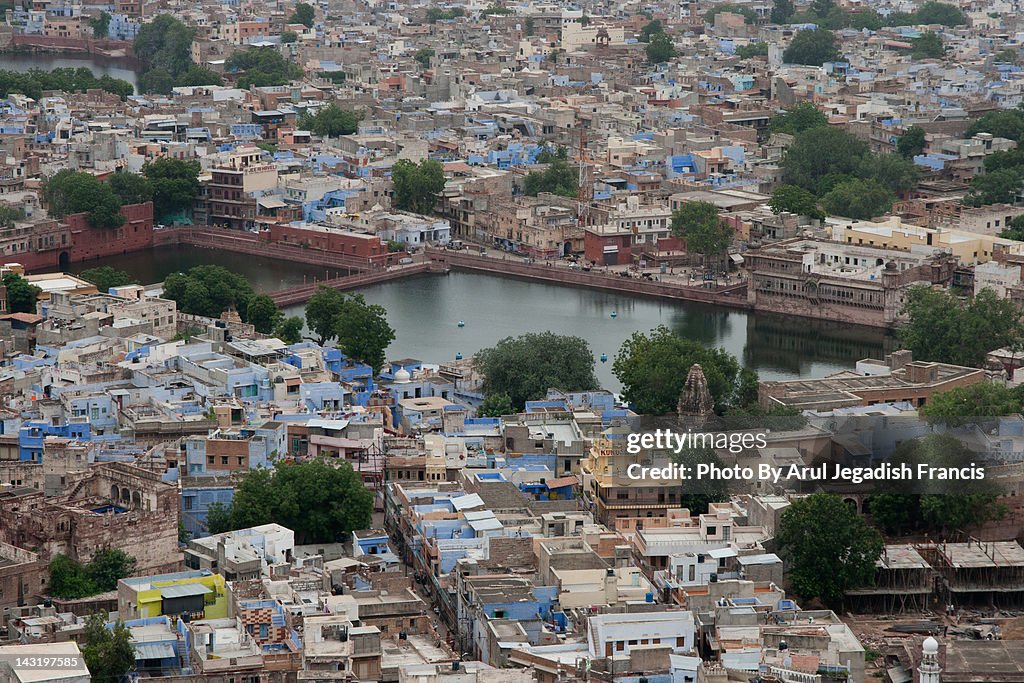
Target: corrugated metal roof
[153, 651]
[184, 590]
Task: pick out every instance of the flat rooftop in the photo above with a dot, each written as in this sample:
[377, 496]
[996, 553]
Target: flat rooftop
[976, 554]
[984, 661]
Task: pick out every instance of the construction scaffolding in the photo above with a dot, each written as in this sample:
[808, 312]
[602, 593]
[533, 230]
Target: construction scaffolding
[979, 573]
[904, 581]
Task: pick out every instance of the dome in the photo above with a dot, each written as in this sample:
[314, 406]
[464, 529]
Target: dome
[931, 646]
[402, 376]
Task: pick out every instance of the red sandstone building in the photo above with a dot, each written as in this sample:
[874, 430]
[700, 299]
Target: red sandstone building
[329, 239]
[58, 243]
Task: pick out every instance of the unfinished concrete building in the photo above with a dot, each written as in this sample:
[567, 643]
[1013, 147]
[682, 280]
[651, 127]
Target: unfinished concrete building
[903, 581]
[988, 573]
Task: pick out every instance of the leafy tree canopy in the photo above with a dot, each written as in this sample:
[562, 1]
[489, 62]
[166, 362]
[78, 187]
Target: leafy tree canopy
[106, 277]
[304, 14]
[496, 405]
[261, 312]
[331, 121]
[558, 178]
[208, 291]
[417, 186]
[525, 367]
[752, 50]
[802, 116]
[361, 329]
[321, 501]
[946, 329]
[701, 226]
[652, 369]
[940, 13]
[34, 81]
[21, 295]
[828, 547]
[260, 67]
[813, 48]
[108, 652]
[164, 46]
[660, 49]
[911, 143]
[859, 199]
[175, 184]
[69, 192]
[289, 330]
[795, 200]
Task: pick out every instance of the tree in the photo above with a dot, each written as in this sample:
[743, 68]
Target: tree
[33, 82]
[828, 547]
[261, 312]
[362, 330]
[496, 405]
[935, 505]
[164, 46]
[423, 56]
[288, 37]
[660, 49]
[131, 188]
[700, 225]
[1014, 230]
[218, 518]
[321, 310]
[69, 192]
[1007, 56]
[304, 14]
[528, 26]
[417, 186]
[260, 67]
[9, 215]
[106, 277]
[782, 10]
[321, 501]
[332, 121]
[1005, 123]
[894, 172]
[69, 580]
[995, 187]
[198, 75]
[549, 155]
[100, 25]
[157, 80]
[865, 19]
[859, 199]
[752, 50]
[795, 200]
[911, 143]
[813, 48]
[940, 13]
[175, 184]
[652, 369]
[697, 494]
[21, 295]
[525, 367]
[802, 116]
[981, 399]
[945, 329]
[927, 46]
[108, 566]
[558, 178]
[650, 30]
[289, 330]
[817, 153]
[107, 650]
[208, 290]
